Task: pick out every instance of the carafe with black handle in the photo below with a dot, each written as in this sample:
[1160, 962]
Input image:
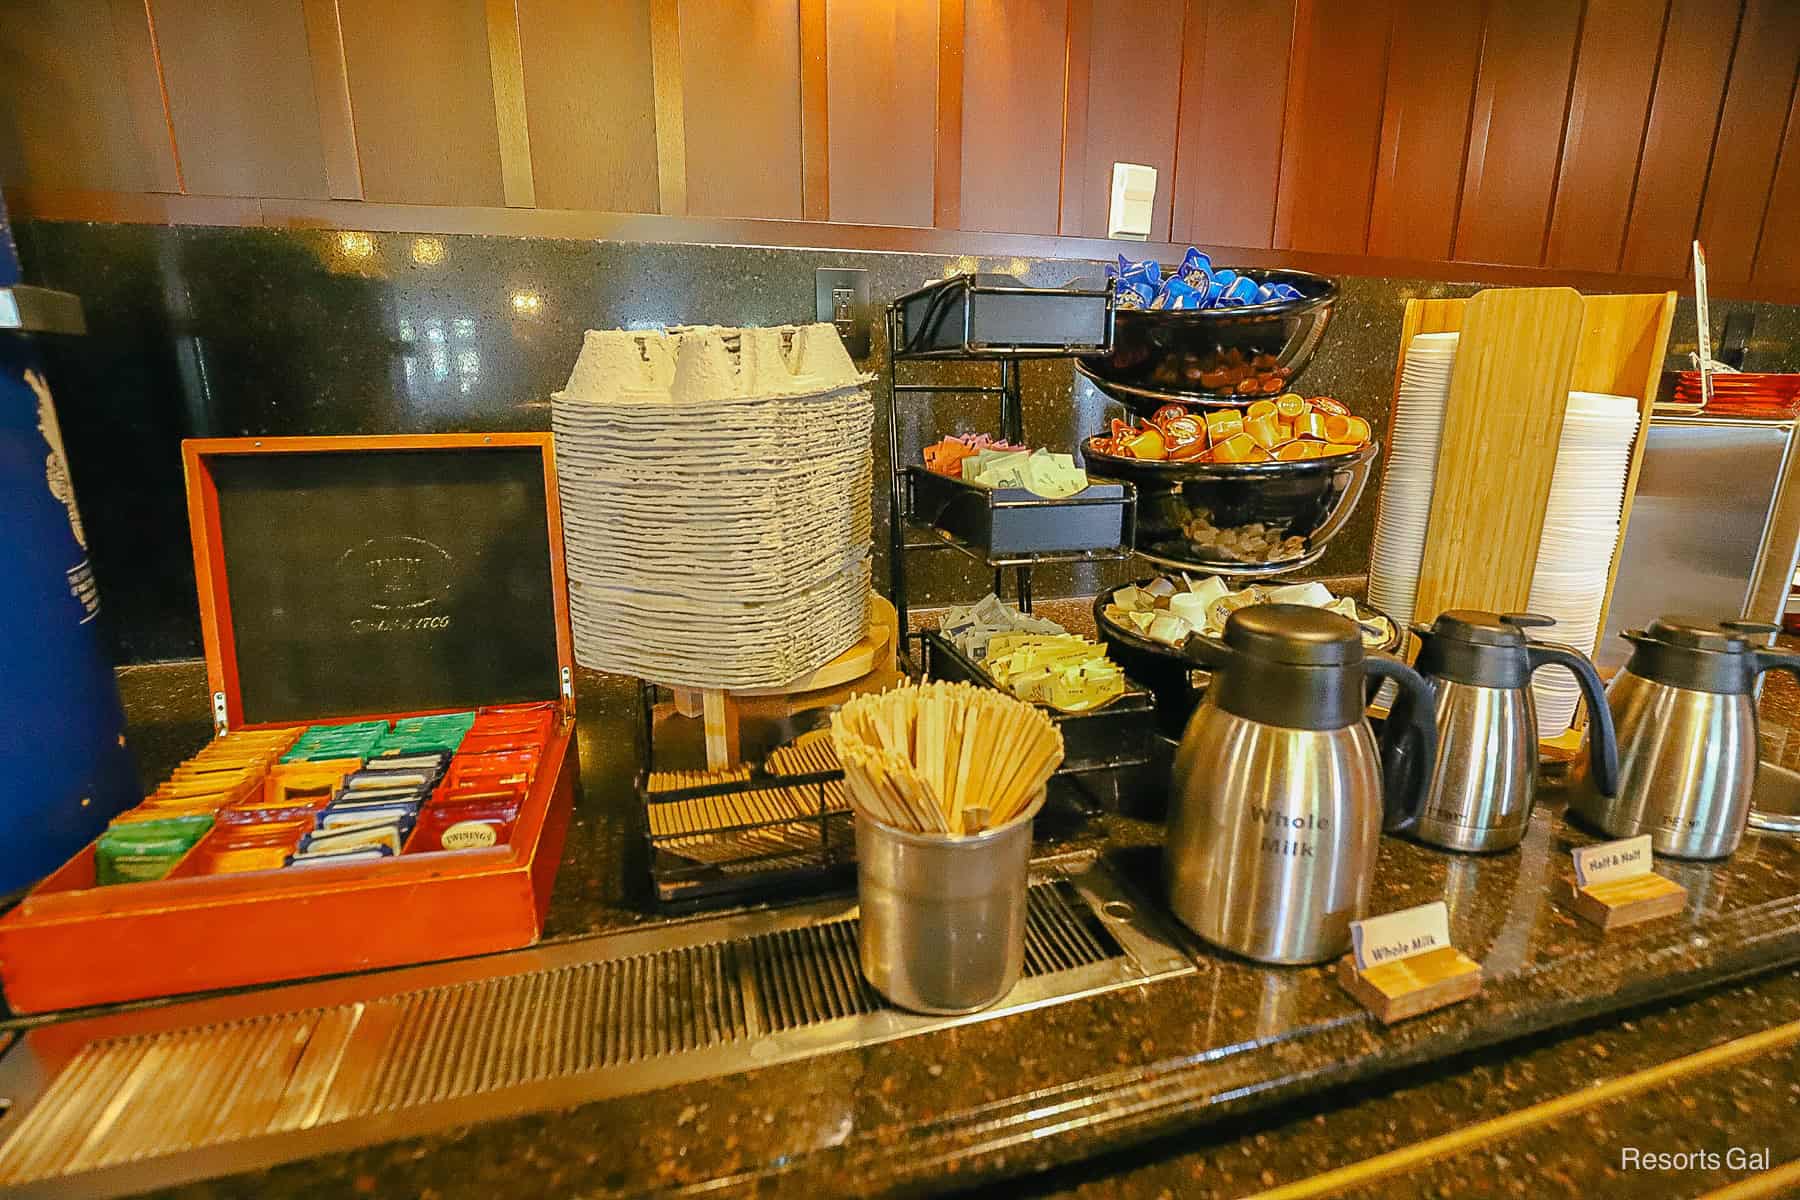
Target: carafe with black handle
[1277, 805]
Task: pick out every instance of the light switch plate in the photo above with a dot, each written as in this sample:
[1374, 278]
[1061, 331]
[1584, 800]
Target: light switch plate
[842, 295]
[1133, 201]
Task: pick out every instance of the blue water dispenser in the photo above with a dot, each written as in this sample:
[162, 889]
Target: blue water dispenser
[64, 767]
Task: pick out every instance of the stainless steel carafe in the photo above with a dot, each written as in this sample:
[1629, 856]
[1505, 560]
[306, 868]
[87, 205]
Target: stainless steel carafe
[1685, 711]
[1276, 811]
[1484, 783]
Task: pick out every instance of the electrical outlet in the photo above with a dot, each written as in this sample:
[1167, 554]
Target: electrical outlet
[842, 295]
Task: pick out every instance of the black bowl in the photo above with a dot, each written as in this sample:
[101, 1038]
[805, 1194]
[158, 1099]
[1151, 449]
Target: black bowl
[1214, 355]
[1174, 679]
[1307, 501]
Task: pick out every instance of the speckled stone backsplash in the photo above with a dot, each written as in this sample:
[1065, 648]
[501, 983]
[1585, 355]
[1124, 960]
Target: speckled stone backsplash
[232, 332]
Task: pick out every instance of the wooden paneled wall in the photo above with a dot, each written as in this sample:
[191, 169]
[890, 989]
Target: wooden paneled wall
[1590, 136]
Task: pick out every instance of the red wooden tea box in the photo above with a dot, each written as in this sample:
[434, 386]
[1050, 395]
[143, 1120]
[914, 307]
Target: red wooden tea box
[341, 578]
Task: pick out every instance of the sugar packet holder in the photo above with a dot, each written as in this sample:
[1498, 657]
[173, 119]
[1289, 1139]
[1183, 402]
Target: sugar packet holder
[1615, 885]
[1402, 964]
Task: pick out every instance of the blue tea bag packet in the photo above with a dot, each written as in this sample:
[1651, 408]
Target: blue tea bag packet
[401, 816]
[366, 854]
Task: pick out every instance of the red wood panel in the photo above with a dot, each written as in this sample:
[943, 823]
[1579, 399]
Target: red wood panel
[946, 159]
[1684, 112]
[1228, 147]
[241, 98]
[1521, 96]
[815, 120]
[882, 78]
[1750, 128]
[1013, 53]
[1609, 107]
[67, 104]
[1424, 128]
[1332, 138]
[423, 99]
[1778, 255]
[740, 82]
[1128, 112]
[590, 97]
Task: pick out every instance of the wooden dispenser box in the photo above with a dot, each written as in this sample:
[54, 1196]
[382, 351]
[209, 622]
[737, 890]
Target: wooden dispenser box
[342, 578]
[1520, 354]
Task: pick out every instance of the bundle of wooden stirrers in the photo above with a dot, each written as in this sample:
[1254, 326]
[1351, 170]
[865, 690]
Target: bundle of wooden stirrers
[945, 757]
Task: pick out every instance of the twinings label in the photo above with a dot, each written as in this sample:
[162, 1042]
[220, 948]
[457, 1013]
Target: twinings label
[1612, 860]
[469, 835]
[1398, 935]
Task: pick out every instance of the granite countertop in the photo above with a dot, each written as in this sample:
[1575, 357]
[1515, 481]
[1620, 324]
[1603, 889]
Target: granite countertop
[1107, 1092]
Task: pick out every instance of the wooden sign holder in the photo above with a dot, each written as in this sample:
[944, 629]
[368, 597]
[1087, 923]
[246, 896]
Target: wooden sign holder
[1407, 987]
[1633, 900]
[1521, 352]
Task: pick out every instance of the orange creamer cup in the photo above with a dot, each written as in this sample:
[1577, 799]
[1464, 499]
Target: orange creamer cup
[1265, 430]
[1236, 449]
[1223, 425]
[1291, 407]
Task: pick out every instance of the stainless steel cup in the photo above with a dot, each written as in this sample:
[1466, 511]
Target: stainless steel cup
[943, 918]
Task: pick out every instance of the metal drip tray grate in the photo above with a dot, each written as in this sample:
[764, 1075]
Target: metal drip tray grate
[121, 1103]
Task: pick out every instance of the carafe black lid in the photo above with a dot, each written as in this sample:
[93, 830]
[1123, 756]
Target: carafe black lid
[1698, 633]
[1482, 649]
[1485, 628]
[1698, 654]
[1294, 635]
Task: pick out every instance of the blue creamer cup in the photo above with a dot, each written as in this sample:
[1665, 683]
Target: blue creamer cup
[1196, 269]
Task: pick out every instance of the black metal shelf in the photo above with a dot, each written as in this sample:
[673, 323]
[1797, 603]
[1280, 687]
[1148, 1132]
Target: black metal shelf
[969, 318]
[997, 317]
[1014, 527]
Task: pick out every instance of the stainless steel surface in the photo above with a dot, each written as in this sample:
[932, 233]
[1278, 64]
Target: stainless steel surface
[1687, 760]
[1714, 529]
[943, 919]
[1485, 779]
[120, 1104]
[40, 310]
[1272, 835]
[1775, 799]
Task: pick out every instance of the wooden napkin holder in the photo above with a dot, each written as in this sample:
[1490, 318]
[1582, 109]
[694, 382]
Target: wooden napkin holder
[1520, 354]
